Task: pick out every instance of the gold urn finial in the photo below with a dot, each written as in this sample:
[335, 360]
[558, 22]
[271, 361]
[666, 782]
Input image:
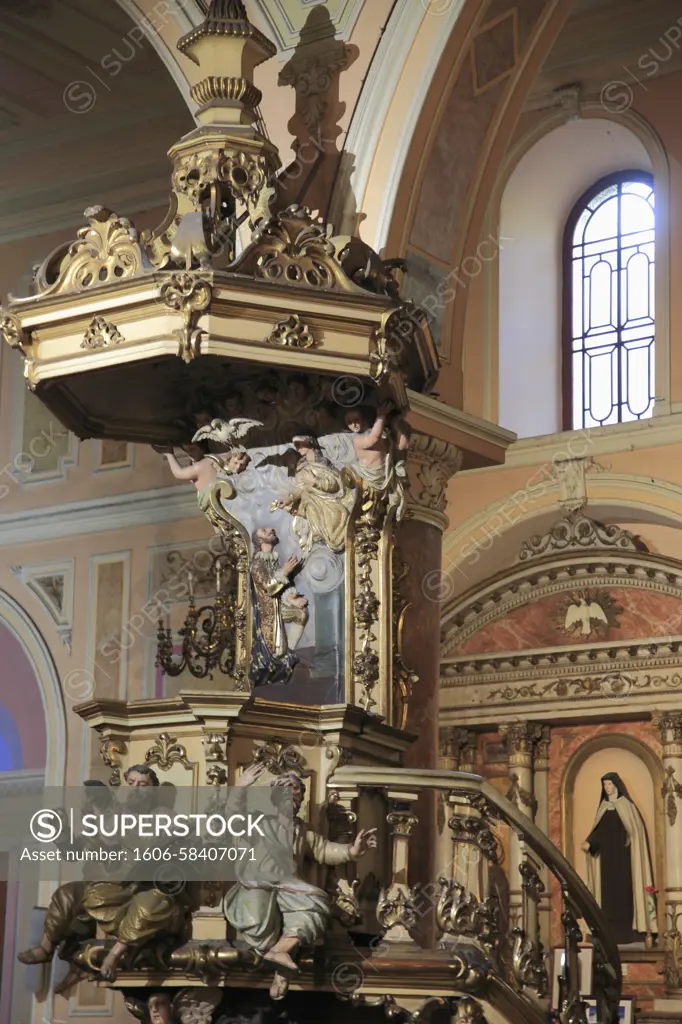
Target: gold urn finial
[228, 48]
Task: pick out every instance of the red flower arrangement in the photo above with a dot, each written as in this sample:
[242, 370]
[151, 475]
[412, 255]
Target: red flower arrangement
[651, 890]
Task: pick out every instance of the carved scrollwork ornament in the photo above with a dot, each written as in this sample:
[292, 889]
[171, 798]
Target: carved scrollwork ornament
[111, 749]
[165, 752]
[101, 334]
[460, 913]
[577, 532]
[105, 252]
[530, 969]
[189, 295]
[431, 464]
[279, 757]
[193, 175]
[397, 909]
[468, 829]
[245, 175]
[293, 247]
[345, 903]
[672, 961]
[671, 792]
[11, 330]
[468, 1011]
[292, 333]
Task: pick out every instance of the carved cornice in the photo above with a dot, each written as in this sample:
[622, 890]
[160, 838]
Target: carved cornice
[576, 532]
[431, 463]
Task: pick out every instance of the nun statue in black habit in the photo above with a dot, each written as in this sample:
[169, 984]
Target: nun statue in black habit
[619, 871]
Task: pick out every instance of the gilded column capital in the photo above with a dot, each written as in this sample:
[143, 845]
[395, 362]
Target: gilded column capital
[431, 463]
[457, 749]
[522, 738]
[541, 763]
[669, 725]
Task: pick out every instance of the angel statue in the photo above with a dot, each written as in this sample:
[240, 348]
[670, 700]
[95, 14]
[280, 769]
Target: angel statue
[380, 453]
[205, 468]
[277, 917]
[322, 499]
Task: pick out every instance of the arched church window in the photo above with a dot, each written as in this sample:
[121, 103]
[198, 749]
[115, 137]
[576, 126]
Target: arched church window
[608, 362]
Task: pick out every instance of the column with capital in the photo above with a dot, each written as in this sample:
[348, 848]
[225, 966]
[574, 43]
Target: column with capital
[521, 738]
[462, 860]
[421, 587]
[541, 793]
[670, 725]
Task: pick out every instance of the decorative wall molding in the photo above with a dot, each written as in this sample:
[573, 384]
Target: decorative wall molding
[531, 582]
[99, 515]
[577, 532]
[52, 584]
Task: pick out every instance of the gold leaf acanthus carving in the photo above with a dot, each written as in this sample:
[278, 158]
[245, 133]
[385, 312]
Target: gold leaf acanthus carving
[431, 463]
[189, 295]
[293, 248]
[101, 334]
[166, 752]
[105, 252]
[279, 757]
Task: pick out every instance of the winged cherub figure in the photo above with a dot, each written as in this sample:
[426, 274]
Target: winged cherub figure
[228, 433]
[204, 469]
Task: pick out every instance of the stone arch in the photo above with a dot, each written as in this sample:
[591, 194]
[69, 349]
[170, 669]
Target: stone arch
[38, 654]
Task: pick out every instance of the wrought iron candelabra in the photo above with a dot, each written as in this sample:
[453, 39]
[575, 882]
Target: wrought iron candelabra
[208, 637]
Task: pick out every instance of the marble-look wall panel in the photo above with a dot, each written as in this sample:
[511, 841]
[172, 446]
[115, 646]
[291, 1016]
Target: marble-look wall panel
[110, 586]
[114, 453]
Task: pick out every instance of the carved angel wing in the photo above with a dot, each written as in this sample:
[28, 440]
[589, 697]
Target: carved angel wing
[226, 432]
[595, 611]
[573, 615]
[241, 427]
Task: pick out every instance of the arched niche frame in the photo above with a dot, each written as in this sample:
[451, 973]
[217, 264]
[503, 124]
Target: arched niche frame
[616, 741]
[545, 172]
[15, 618]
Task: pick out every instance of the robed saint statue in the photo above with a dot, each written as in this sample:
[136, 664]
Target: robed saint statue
[619, 871]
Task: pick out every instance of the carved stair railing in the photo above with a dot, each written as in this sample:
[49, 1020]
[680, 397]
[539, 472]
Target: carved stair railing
[504, 955]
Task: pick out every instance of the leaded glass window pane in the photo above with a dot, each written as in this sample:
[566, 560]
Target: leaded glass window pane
[611, 308]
